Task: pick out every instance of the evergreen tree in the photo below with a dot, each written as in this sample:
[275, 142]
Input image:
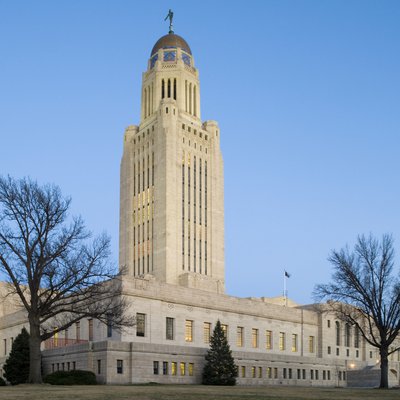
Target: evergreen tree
[16, 367]
[220, 368]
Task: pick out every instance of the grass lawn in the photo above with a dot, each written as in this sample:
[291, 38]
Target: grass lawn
[183, 392]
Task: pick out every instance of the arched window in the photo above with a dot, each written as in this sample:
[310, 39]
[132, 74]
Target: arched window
[190, 98]
[347, 335]
[195, 101]
[337, 333]
[145, 103]
[175, 89]
[356, 337]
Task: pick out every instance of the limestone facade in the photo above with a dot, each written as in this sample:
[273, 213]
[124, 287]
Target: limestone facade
[172, 259]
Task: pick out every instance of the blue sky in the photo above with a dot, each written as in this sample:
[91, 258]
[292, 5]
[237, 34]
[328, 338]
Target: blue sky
[307, 95]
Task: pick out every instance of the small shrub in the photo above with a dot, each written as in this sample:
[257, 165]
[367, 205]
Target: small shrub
[75, 377]
[2, 382]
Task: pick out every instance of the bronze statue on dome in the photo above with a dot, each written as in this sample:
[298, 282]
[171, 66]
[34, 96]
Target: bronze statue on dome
[170, 16]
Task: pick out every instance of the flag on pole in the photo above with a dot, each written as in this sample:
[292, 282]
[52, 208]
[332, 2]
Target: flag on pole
[287, 274]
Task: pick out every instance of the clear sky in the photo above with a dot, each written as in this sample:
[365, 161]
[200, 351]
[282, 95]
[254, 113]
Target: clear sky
[307, 95]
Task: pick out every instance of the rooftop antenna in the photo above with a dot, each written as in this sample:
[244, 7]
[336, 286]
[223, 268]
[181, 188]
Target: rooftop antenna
[170, 16]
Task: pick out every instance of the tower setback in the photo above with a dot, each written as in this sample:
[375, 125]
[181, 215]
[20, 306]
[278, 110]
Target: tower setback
[171, 200]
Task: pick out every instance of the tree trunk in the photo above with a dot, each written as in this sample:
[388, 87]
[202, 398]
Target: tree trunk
[384, 368]
[35, 357]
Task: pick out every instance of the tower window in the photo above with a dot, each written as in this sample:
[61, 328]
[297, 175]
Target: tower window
[169, 87]
[162, 89]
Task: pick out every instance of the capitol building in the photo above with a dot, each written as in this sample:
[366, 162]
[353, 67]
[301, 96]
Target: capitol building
[171, 249]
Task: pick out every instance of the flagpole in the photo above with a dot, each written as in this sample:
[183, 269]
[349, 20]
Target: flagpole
[284, 288]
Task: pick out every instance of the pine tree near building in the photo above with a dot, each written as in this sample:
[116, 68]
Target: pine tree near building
[220, 368]
[16, 367]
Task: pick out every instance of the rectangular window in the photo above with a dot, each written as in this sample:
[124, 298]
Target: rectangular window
[191, 369]
[316, 374]
[282, 340]
[329, 375]
[98, 367]
[225, 330]
[253, 372]
[239, 336]
[290, 373]
[68, 366]
[90, 326]
[169, 334]
[188, 330]
[207, 332]
[182, 366]
[299, 374]
[260, 372]
[120, 366]
[165, 367]
[324, 375]
[269, 372]
[109, 326]
[329, 323]
[304, 374]
[311, 374]
[329, 349]
[174, 368]
[78, 331]
[155, 367]
[5, 346]
[254, 338]
[73, 365]
[311, 344]
[140, 324]
[268, 340]
[284, 373]
[294, 342]
[243, 369]
[275, 373]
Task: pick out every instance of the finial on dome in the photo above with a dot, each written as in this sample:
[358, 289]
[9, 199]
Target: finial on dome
[170, 16]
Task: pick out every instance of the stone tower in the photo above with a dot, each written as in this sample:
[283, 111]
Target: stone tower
[172, 196]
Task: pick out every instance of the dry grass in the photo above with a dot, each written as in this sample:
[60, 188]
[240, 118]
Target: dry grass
[172, 392]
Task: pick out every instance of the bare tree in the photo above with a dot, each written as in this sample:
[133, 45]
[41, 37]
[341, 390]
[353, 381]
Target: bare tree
[365, 292]
[50, 261]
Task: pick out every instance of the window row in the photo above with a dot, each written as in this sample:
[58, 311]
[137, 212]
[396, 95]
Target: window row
[240, 334]
[64, 366]
[189, 129]
[287, 373]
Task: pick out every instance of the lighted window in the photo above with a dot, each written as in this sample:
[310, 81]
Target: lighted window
[282, 340]
[239, 336]
[190, 369]
[294, 342]
[254, 338]
[260, 372]
[169, 328]
[243, 372]
[174, 368]
[269, 372]
[207, 332]
[140, 324]
[188, 330]
[182, 367]
[268, 340]
[225, 330]
[253, 372]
